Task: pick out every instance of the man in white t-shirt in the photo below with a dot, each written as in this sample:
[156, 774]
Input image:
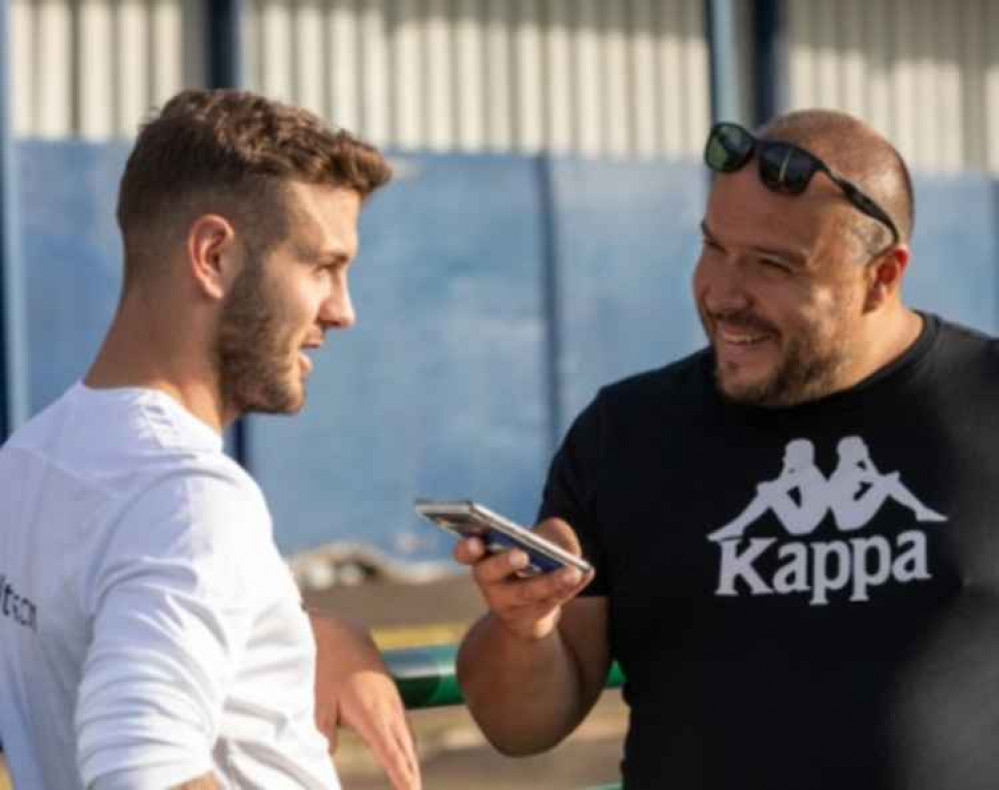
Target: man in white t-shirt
[150, 635]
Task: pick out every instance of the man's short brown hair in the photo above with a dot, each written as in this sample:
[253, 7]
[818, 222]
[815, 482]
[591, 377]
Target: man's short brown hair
[231, 152]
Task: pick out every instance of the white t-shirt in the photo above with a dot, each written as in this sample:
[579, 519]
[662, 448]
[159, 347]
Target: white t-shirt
[149, 629]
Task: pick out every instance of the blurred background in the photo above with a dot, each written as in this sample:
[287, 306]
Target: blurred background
[537, 242]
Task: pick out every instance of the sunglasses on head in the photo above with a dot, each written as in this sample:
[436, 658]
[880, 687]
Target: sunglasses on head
[783, 167]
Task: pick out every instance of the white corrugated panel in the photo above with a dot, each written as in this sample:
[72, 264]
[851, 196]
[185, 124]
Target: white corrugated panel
[94, 68]
[595, 77]
[22, 33]
[470, 58]
[609, 78]
[922, 72]
[990, 103]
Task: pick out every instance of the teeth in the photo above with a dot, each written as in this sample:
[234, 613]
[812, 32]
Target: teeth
[741, 340]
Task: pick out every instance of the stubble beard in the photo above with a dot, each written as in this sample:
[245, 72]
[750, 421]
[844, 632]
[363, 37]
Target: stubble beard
[254, 353]
[809, 369]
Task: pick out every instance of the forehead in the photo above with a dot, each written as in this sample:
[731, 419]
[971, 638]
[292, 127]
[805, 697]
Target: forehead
[323, 218]
[743, 212]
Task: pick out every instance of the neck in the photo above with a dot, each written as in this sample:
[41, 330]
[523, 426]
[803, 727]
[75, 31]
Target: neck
[162, 350]
[890, 339]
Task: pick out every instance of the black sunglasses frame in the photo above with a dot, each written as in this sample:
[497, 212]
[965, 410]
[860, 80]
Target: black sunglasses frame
[775, 176]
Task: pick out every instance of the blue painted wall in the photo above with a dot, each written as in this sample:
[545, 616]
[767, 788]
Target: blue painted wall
[494, 294]
[955, 249]
[439, 389]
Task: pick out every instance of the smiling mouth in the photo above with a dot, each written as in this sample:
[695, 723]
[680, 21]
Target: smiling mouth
[742, 338]
[733, 335]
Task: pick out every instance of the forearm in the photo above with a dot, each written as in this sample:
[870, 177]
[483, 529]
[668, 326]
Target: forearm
[354, 689]
[526, 695]
[344, 645]
[344, 652]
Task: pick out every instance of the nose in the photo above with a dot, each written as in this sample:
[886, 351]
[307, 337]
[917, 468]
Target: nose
[337, 310]
[721, 285]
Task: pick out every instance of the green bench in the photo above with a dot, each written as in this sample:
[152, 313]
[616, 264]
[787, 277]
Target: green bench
[426, 679]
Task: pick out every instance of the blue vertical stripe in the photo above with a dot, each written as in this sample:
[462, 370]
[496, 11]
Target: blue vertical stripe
[723, 60]
[13, 348]
[769, 92]
[225, 70]
[225, 49]
[552, 313]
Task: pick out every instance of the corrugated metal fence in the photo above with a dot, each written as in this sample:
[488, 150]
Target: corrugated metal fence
[923, 72]
[609, 78]
[92, 68]
[623, 78]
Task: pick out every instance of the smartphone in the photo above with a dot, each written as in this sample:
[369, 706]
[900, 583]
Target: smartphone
[470, 519]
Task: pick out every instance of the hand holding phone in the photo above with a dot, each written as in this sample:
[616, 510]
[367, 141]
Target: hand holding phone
[467, 519]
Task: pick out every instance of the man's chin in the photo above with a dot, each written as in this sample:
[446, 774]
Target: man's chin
[285, 401]
[776, 391]
[742, 395]
[739, 387]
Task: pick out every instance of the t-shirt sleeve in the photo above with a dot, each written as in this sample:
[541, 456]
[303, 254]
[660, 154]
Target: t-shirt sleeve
[171, 601]
[570, 491]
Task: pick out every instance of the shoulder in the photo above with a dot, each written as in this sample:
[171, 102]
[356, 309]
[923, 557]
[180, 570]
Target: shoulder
[198, 511]
[204, 492]
[674, 383]
[953, 332]
[198, 525]
[657, 396]
[960, 345]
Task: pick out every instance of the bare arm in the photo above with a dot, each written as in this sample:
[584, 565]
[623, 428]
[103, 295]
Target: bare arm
[354, 688]
[534, 666]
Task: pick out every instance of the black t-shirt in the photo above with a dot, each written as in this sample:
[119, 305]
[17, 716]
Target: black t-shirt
[800, 598]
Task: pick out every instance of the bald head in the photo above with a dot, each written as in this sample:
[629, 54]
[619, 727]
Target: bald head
[859, 153]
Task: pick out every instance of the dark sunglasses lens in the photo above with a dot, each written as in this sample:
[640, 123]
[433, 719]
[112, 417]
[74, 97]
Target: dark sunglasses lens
[786, 168]
[729, 147]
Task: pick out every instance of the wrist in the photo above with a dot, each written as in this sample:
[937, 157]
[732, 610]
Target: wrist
[530, 630]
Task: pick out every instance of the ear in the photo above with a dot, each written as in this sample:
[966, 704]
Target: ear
[884, 276]
[213, 254]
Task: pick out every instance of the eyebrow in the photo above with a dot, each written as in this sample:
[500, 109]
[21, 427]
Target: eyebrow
[784, 253]
[332, 256]
[790, 256]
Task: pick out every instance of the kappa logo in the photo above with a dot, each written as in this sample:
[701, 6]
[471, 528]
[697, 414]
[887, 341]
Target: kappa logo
[800, 498]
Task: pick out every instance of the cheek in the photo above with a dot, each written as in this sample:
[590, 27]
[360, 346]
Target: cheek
[701, 278]
[828, 312]
[301, 302]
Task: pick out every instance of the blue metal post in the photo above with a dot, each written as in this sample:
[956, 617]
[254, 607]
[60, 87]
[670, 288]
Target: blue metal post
[552, 305]
[14, 397]
[768, 95]
[225, 70]
[723, 49]
[225, 50]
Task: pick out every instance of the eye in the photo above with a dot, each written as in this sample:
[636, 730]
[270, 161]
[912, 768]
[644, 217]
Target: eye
[710, 244]
[776, 265]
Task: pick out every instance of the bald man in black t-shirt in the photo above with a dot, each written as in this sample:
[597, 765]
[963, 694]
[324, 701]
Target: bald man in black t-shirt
[787, 616]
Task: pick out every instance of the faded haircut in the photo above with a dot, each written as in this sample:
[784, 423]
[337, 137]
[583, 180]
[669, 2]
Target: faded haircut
[232, 153]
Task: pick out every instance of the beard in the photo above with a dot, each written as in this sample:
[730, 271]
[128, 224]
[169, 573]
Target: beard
[809, 368]
[254, 351]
